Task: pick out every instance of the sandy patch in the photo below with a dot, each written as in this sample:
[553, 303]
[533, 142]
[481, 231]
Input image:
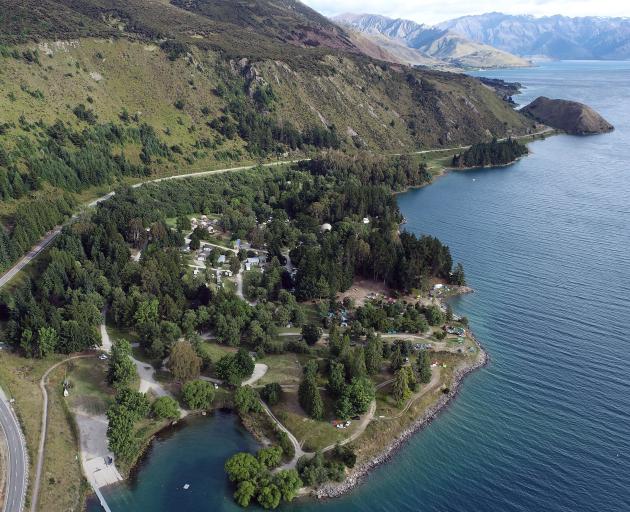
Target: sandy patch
[361, 288]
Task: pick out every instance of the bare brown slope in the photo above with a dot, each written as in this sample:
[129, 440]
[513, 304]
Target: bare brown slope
[571, 116]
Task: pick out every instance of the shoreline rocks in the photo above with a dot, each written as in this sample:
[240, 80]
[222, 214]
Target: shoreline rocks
[335, 490]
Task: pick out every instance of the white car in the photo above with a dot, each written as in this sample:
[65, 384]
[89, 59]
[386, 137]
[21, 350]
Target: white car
[102, 357]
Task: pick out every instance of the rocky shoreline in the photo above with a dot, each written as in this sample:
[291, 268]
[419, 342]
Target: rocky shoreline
[334, 490]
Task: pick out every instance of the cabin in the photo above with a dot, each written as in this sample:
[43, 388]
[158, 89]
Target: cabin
[252, 262]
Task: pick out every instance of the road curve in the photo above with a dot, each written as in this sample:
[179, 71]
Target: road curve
[17, 460]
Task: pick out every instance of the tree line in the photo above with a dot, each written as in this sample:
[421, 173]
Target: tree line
[486, 154]
[159, 298]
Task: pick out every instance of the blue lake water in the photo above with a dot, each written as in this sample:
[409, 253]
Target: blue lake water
[546, 426]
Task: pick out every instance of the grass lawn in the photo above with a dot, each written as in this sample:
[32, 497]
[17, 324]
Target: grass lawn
[216, 351]
[285, 369]
[88, 385]
[312, 434]
[121, 334]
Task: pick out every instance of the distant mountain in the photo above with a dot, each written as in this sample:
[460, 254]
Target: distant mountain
[429, 45]
[557, 37]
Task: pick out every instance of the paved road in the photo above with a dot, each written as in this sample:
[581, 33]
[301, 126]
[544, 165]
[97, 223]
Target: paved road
[43, 243]
[53, 234]
[17, 461]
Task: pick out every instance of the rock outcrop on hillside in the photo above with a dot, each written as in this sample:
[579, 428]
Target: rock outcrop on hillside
[571, 116]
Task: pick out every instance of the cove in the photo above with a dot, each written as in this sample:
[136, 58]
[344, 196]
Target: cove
[192, 452]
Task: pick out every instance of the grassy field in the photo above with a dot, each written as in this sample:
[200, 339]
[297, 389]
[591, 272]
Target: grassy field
[312, 434]
[89, 389]
[63, 486]
[285, 369]
[215, 351]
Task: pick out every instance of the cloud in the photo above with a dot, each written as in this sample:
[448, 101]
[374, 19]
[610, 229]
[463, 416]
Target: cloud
[434, 11]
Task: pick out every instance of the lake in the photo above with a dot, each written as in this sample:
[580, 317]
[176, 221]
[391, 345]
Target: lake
[546, 426]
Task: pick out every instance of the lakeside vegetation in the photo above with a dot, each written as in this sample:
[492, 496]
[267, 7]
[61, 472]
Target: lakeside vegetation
[165, 306]
[89, 108]
[487, 154]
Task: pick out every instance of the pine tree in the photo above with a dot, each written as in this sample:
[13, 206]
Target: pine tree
[411, 378]
[358, 368]
[396, 359]
[336, 378]
[401, 391]
[374, 355]
[424, 367]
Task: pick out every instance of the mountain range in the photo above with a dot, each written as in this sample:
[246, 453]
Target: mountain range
[416, 44]
[557, 37]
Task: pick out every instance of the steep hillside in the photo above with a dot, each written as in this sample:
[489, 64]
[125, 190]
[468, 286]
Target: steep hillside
[559, 37]
[434, 44]
[101, 92]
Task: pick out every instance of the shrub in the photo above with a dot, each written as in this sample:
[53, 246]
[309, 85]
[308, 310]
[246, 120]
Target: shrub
[165, 408]
[246, 400]
[271, 393]
[198, 394]
[270, 457]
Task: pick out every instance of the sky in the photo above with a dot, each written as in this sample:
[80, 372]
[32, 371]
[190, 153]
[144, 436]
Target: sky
[434, 11]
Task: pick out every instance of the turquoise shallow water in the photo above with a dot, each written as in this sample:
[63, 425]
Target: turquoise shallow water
[546, 426]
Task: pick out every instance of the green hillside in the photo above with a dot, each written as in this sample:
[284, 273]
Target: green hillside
[101, 92]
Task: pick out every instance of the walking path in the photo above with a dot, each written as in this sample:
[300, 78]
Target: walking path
[430, 386]
[259, 372]
[42, 436]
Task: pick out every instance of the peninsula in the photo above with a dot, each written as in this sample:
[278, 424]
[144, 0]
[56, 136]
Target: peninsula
[198, 211]
[570, 116]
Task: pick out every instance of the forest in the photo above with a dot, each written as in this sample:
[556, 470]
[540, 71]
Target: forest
[61, 159]
[490, 153]
[90, 268]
